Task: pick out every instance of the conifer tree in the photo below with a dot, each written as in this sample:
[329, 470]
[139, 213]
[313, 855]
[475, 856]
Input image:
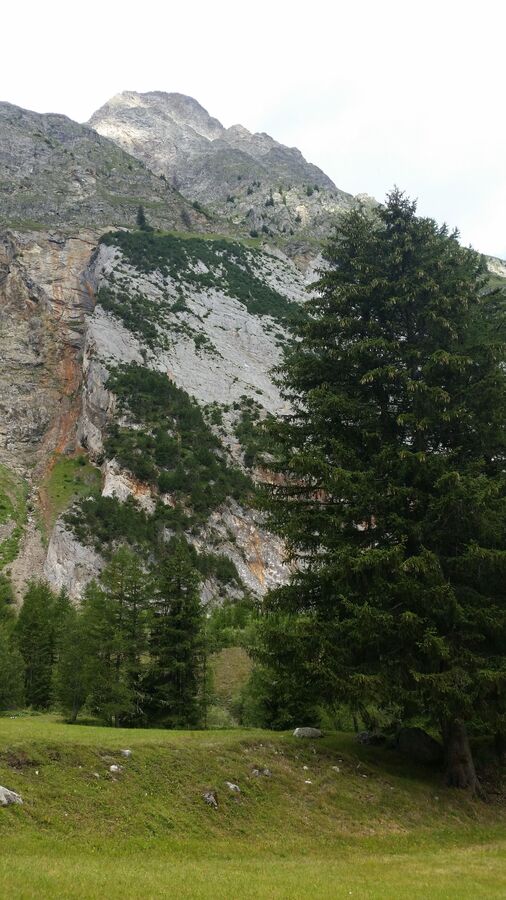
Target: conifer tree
[141, 220]
[71, 677]
[12, 671]
[394, 492]
[34, 633]
[174, 680]
[115, 638]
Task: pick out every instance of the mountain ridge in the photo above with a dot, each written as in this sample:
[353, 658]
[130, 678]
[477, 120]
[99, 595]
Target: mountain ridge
[261, 185]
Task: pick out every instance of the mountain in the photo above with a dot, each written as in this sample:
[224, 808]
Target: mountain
[94, 316]
[251, 179]
[135, 365]
[54, 172]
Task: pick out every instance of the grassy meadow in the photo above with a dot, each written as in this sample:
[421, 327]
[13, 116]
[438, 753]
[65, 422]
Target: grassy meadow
[334, 819]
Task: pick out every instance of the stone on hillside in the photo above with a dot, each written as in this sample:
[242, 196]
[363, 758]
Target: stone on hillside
[126, 753]
[211, 798]
[233, 787]
[259, 772]
[419, 746]
[115, 769]
[306, 732]
[8, 797]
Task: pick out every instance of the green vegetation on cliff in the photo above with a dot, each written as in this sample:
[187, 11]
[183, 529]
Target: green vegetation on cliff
[174, 448]
[12, 514]
[203, 263]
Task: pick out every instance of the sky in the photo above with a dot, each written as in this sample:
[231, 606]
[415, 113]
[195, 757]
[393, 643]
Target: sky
[375, 93]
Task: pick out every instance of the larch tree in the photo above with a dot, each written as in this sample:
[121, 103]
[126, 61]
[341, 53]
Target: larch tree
[175, 678]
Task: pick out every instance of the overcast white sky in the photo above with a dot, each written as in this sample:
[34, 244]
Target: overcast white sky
[375, 93]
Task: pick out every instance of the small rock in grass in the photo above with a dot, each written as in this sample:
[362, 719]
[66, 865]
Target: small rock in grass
[126, 753]
[233, 787]
[8, 797]
[258, 772]
[307, 733]
[114, 768]
[336, 768]
[305, 767]
[211, 798]
[308, 782]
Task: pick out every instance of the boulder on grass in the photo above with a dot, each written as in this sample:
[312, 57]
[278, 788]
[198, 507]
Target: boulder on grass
[211, 798]
[307, 733]
[419, 746]
[7, 797]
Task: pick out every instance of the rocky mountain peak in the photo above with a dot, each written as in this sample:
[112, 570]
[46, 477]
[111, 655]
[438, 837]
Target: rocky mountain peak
[249, 178]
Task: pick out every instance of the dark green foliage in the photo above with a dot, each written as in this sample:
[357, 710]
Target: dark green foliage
[231, 624]
[12, 671]
[72, 675]
[102, 521]
[268, 700]
[114, 630]
[395, 493]
[137, 314]
[174, 679]
[230, 264]
[35, 636]
[6, 601]
[135, 654]
[175, 449]
[254, 438]
[141, 221]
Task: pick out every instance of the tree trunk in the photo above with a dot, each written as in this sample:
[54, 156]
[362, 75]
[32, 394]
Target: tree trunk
[460, 771]
[500, 746]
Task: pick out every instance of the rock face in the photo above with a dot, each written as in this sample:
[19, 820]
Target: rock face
[258, 183]
[56, 172]
[210, 316]
[69, 563]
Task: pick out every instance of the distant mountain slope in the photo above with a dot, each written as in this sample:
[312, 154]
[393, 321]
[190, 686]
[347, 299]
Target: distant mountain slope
[54, 171]
[259, 183]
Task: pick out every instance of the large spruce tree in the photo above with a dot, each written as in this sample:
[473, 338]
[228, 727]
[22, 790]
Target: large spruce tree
[393, 499]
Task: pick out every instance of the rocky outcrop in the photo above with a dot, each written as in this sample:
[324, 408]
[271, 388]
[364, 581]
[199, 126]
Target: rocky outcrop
[307, 732]
[258, 183]
[60, 339]
[43, 300]
[57, 173]
[69, 564]
[8, 798]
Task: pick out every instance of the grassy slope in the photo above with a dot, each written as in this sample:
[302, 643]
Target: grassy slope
[147, 833]
[68, 478]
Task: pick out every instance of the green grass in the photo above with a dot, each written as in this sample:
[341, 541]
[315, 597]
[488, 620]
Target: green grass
[12, 514]
[147, 832]
[68, 479]
[231, 668]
